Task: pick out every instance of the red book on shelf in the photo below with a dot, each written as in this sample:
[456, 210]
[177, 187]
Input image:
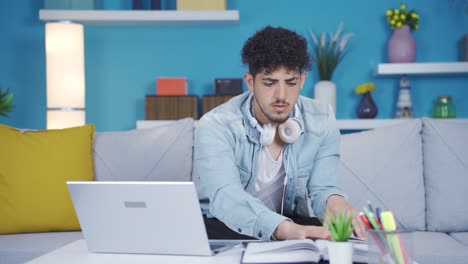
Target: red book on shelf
[171, 86]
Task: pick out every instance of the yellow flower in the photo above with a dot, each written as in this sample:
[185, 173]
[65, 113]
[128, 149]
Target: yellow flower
[364, 88]
[397, 18]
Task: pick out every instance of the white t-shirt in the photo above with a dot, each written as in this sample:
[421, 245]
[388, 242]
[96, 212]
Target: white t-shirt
[269, 184]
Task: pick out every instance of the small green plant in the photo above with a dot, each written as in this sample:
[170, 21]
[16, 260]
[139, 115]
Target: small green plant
[5, 102]
[340, 225]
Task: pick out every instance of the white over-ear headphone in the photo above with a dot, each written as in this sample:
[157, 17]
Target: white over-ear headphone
[289, 131]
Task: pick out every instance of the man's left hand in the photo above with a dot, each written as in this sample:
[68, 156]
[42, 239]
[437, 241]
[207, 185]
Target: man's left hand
[337, 203]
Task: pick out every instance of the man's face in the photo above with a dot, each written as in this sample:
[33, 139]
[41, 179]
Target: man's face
[275, 94]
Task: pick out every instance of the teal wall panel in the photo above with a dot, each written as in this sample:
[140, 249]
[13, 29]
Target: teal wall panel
[123, 62]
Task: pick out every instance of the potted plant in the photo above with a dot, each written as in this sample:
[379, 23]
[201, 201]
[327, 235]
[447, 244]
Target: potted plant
[340, 250]
[327, 53]
[366, 107]
[402, 46]
[5, 102]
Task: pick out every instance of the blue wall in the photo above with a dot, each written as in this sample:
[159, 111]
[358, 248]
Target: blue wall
[123, 62]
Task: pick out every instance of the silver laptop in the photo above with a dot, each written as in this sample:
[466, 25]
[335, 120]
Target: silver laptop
[143, 217]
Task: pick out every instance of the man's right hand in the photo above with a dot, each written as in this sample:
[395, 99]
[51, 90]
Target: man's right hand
[288, 230]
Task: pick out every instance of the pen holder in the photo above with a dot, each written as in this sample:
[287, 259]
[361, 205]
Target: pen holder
[390, 247]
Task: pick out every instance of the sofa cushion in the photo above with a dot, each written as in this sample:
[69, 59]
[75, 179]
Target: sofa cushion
[445, 149]
[461, 237]
[162, 153]
[20, 248]
[35, 166]
[435, 248]
[384, 166]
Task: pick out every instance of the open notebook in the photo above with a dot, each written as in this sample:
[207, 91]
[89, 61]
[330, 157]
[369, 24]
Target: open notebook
[297, 251]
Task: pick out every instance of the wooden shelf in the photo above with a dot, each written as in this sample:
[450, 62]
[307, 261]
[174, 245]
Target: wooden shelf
[211, 101]
[171, 107]
[140, 17]
[422, 68]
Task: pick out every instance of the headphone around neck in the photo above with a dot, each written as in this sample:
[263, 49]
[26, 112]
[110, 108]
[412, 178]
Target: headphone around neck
[289, 131]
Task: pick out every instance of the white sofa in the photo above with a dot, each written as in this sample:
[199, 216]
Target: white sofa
[163, 153]
[417, 169]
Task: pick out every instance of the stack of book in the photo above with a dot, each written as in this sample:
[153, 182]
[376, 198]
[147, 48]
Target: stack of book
[146, 4]
[464, 48]
[171, 86]
[228, 86]
[201, 4]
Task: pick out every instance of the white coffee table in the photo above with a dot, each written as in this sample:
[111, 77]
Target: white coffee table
[77, 252]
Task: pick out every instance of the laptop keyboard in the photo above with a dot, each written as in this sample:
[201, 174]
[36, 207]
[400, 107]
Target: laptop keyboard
[216, 246]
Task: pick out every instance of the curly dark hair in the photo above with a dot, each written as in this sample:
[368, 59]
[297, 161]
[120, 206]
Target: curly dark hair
[270, 48]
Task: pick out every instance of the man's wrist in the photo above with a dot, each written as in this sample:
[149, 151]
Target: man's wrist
[332, 198]
[280, 230]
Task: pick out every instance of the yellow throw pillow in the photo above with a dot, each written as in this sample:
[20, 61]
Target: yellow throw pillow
[34, 168]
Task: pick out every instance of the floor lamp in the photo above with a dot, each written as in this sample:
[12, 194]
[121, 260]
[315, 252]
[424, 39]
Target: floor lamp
[65, 74]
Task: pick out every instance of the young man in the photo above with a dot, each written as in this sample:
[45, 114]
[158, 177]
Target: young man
[260, 157]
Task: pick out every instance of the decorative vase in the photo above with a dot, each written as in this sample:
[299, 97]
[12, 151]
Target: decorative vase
[325, 92]
[402, 46]
[340, 252]
[367, 107]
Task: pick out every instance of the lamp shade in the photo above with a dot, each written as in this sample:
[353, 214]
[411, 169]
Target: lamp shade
[57, 119]
[65, 74]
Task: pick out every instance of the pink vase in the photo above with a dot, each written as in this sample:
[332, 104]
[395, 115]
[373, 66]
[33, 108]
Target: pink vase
[402, 46]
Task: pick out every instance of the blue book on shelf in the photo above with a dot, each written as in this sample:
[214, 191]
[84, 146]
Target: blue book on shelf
[71, 4]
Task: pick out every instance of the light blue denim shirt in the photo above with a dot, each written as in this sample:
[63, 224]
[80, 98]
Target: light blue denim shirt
[226, 150]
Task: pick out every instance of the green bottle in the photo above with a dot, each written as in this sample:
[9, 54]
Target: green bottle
[444, 107]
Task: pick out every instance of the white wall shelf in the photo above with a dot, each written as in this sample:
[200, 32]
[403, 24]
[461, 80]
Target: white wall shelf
[141, 17]
[423, 68]
[363, 124]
